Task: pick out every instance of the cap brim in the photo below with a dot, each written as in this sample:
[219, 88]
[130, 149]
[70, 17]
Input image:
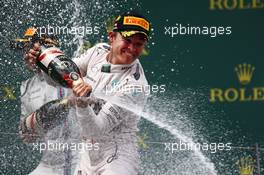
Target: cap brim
[130, 33]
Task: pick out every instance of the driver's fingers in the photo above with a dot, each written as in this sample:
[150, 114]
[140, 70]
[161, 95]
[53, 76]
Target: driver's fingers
[36, 46]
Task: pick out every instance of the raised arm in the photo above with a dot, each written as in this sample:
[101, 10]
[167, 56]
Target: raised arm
[35, 125]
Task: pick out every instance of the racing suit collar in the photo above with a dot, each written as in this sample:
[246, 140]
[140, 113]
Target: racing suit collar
[117, 68]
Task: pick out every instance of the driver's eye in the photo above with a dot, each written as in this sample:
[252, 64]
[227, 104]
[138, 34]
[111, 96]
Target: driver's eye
[138, 45]
[127, 40]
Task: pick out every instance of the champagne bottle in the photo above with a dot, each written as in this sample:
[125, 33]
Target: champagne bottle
[60, 68]
[51, 60]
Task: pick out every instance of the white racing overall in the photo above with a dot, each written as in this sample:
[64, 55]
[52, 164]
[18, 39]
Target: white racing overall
[109, 124]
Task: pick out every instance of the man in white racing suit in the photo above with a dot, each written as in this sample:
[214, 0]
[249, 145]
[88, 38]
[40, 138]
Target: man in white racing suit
[114, 74]
[34, 93]
[113, 128]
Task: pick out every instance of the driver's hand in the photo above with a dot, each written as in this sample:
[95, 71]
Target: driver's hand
[82, 89]
[31, 55]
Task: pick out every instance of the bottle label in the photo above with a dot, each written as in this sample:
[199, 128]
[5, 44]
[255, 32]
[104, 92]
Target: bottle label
[49, 54]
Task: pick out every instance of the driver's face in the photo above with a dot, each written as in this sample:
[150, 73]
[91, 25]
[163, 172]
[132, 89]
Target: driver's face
[126, 50]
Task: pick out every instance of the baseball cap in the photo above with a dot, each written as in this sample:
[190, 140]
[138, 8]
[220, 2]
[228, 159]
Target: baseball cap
[131, 23]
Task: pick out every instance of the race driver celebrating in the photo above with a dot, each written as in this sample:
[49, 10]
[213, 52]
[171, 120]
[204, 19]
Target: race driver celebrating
[108, 123]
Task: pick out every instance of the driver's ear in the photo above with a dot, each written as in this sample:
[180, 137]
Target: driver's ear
[111, 36]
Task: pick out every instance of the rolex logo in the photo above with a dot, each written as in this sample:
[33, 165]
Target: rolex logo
[244, 73]
[239, 94]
